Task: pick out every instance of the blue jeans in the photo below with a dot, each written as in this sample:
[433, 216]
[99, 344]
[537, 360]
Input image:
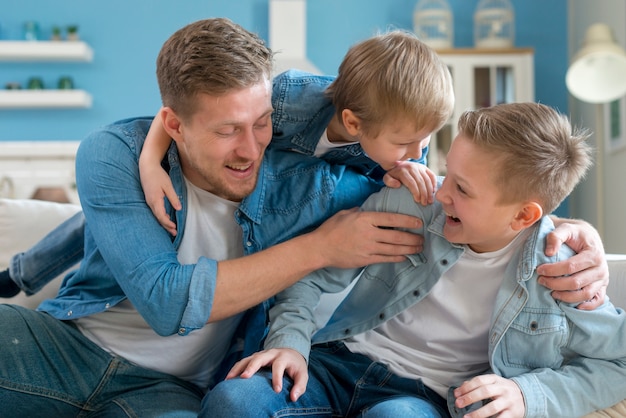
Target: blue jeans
[341, 384]
[50, 369]
[58, 251]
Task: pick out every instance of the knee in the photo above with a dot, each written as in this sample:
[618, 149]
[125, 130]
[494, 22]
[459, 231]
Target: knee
[237, 398]
[402, 407]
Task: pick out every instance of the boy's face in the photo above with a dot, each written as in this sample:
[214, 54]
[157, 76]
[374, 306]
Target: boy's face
[222, 145]
[470, 198]
[395, 142]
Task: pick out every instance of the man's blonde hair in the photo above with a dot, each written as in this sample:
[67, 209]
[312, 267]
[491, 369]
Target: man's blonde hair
[211, 56]
[540, 156]
[391, 77]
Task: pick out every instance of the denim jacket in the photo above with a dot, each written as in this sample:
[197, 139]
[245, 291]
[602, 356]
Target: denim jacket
[302, 111]
[566, 361]
[294, 194]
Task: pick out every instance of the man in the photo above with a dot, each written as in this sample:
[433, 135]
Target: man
[143, 326]
[134, 339]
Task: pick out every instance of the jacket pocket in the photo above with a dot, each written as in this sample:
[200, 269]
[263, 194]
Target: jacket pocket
[535, 338]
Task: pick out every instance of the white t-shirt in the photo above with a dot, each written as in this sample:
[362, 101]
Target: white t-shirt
[443, 339]
[324, 145]
[210, 231]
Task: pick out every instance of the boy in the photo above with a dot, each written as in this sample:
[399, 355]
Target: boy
[467, 312]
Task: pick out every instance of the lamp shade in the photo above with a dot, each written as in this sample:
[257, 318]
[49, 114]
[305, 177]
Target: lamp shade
[597, 73]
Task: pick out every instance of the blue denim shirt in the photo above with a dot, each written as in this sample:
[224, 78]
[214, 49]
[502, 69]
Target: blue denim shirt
[302, 111]
[128, 254]
[566, 361]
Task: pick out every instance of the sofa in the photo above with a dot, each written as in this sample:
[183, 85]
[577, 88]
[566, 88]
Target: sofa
[23, 222]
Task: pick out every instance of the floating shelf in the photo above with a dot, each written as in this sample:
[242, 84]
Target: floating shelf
[21, 99]
[45, 51]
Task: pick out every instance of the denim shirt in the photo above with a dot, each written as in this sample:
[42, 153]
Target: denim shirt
[566, 361]
[302, 111]
[128, 254]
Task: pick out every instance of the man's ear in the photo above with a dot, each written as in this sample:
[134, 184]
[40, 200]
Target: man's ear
[171, 123]
[529, 213]
[351, 122]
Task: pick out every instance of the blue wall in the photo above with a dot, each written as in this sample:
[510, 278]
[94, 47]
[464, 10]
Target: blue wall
[126, 36]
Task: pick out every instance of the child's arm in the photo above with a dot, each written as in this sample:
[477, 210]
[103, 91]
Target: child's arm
[418, 178]
[155, 181]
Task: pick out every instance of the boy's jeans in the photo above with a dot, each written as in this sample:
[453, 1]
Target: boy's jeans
[340, 383]
[50, 369]
[58, 251]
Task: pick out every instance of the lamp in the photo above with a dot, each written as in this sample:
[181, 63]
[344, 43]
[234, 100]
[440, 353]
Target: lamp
[597, 75]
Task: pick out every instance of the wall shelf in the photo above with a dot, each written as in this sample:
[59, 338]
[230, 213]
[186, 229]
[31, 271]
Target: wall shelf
[45, 51]
[22, 99]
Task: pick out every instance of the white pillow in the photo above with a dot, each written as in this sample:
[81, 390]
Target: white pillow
[23, 222]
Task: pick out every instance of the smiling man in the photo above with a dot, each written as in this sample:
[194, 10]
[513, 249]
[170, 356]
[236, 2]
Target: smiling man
[144, 325]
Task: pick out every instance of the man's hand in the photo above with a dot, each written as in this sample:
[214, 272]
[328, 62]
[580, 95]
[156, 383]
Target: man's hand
[352, 238]
[587, 273]
[505, 397]
[281, 360]
[416, 177]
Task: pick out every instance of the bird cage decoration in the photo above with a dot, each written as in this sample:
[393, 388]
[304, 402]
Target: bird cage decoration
[494, 24]
[432, 23]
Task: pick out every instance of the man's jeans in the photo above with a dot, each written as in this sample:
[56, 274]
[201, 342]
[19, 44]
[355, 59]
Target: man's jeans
[341, 384]
[50, 369]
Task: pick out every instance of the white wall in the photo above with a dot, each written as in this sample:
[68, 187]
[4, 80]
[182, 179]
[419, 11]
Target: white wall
[610, 223]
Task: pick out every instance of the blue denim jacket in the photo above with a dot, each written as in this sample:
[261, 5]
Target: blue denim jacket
[566, 361]
[302, 111]
[294, 195]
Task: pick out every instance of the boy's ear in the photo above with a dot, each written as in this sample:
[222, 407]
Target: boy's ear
[351, 122]
[527, 216]
[171, 123]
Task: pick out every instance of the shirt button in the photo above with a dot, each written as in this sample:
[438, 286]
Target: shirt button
[181, 330]
[107, 306]
[70, 313]
[444, 262]
[249, 243]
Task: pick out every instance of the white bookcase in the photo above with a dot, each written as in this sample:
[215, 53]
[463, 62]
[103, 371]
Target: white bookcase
[482, 78]
[29, 167]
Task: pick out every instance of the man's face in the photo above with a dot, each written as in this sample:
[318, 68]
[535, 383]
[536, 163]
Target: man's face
[222, 146]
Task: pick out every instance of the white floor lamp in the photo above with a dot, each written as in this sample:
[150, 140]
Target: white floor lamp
[597, 75]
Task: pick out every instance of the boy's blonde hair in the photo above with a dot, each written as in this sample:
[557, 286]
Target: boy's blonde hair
[540, 157]
[212, 56]
[391, 77]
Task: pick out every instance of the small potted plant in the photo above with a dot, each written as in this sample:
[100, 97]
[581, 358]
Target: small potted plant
[72, 33]
[56, 33]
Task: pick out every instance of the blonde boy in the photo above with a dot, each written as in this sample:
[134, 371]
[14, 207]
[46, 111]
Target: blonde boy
[468, 311]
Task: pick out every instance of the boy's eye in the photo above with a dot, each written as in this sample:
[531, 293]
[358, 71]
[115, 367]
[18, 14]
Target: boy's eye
[460, 188]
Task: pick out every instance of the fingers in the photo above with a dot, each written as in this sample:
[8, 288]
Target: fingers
[392, 220]
[500, 397]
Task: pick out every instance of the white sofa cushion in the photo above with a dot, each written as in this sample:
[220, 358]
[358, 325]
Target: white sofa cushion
[23, 222]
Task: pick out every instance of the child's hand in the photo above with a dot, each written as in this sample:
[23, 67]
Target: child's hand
[157, 184]
[281, 360]
[505, 397]
[418, 178]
